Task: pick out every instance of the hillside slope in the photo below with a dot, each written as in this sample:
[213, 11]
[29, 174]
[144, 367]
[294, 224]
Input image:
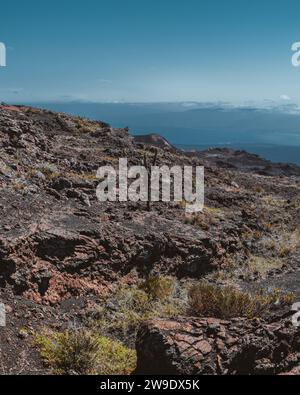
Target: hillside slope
[62, 251]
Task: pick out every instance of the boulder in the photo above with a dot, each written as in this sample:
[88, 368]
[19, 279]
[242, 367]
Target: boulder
[197, 346]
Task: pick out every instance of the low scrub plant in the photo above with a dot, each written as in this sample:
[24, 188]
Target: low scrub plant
[158, 287]
[122, 312]
[84, 352]
[207, 300]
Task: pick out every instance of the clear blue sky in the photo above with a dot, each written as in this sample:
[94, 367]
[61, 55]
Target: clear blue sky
[149, 50]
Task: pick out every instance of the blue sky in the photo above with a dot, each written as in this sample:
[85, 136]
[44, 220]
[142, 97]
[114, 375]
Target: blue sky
[142, 50]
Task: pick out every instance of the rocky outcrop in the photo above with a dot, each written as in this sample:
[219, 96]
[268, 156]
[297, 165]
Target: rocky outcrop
[51, 221]
[60, 248]
[246, 162]
[212, 346]
[155, 140]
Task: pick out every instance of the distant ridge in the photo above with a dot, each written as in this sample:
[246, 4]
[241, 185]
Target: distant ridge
[155, 140]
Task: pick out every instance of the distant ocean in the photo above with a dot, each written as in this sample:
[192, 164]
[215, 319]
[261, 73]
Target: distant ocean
[271, 133]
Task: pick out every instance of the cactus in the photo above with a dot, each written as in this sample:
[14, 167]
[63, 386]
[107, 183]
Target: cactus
[148, 166]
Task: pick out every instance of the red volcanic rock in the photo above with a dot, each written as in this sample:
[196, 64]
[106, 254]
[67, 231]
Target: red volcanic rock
[61, 249]
[212, 346]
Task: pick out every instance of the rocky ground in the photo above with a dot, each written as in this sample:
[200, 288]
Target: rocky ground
[62, 251]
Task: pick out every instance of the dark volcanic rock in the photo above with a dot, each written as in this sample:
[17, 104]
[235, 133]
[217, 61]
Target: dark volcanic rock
[58, 243]
[51, 220]
[246, 162]
[212, 346]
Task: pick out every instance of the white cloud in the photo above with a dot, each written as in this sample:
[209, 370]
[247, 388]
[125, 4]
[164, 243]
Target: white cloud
[285, 97]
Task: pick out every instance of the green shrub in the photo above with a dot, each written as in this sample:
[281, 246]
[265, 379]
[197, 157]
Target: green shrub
[69, 351]
[122, 312]
[228, 302]
[158, 287]
[115, 358]
[83, 352]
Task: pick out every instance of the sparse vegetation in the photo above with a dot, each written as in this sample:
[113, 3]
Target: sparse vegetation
[282, 243]
[85, 126]
[213, 211]
[70, 258]
[49, 170]
[19, 186]
[123, 311]
[273, 201]
[262, 265]
[209, 217]
[158, 287]
[289, 242]
[259, 189]
[207, 300]
[84, 352]
[197, 219]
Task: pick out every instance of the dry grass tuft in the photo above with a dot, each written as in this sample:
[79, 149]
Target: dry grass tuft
[207, 300]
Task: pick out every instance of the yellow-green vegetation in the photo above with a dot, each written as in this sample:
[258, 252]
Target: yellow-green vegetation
[49, 170]
[259, 189]
[213, 210]
[19, 186]
[207, 300]
[31, 110]
[158, 287]
[81, 176]
[85, 126]
[129, 306]
[84, 352]
[197, 219]
[210, 216]
[262, 265]
[31, 173]
[273, 201]
[289, 242]
[283, 243]
[181, 204]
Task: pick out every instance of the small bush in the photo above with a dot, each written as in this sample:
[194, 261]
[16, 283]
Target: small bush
[261, 265]
[69, 351]
[259, 189]
[122, 312]
[158, 287]
[49, 170]
[86, 126]
[19, 186]
[115, 358]
[82, 352]
[227, 302]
